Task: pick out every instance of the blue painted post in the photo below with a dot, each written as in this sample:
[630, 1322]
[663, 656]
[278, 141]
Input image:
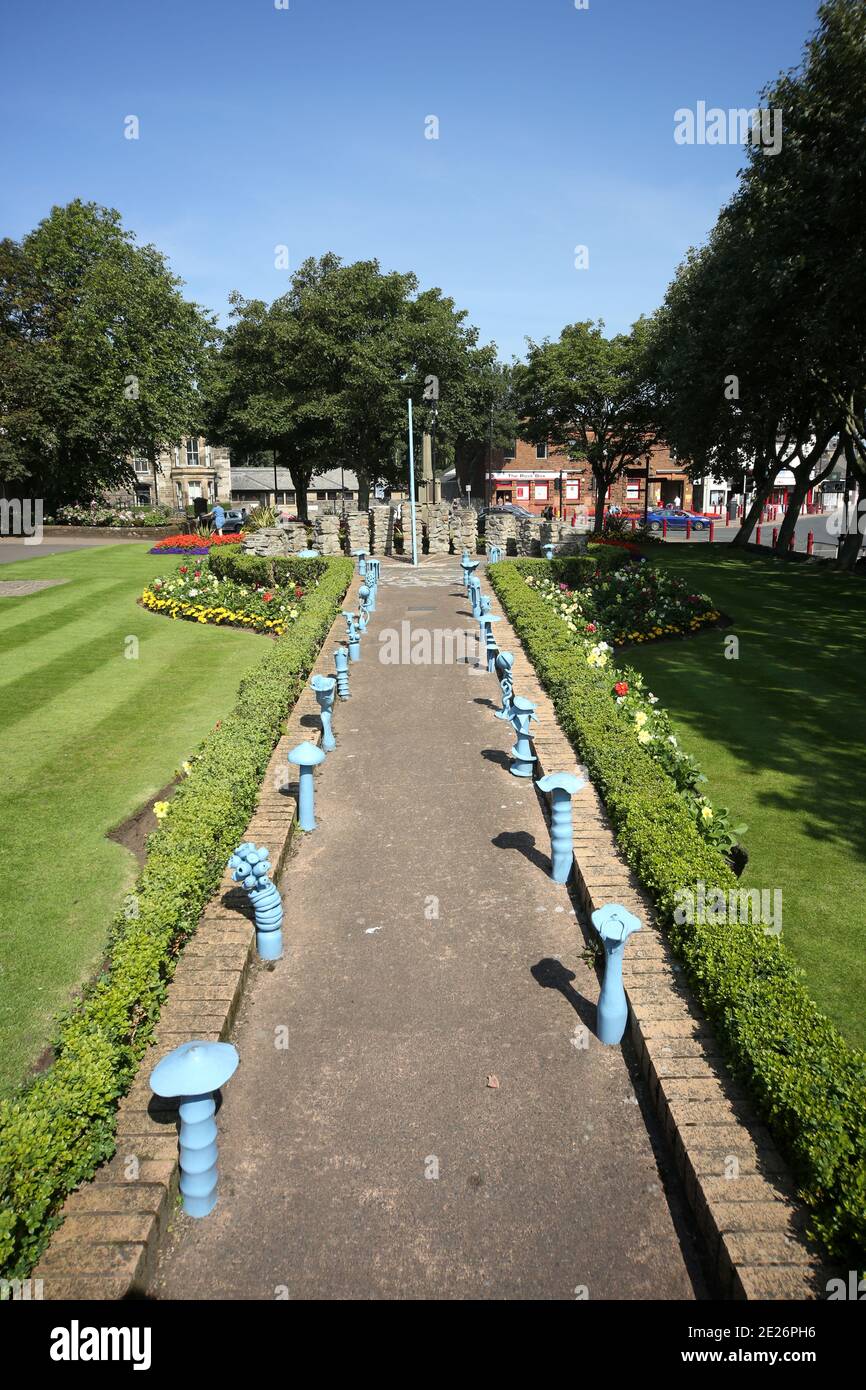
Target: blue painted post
[486, 603]
[562, 787]
[308, 554]
[494, 555]
[192, 1074]
[522, 715]
[486, 639]
[250, 868]
[547, 550]
[504, 663]
[373, 585]
[492, 648]
[364, 593]
[306, 756]
[341, 662]
[475, 596]
[350, 625]
[614, 925]
[362, 562]
[325, 688]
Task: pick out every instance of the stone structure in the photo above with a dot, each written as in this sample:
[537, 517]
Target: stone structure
[435, 517]
[463, 527]
[529, 536]
[358, 524]
[382, 529]
[268, 541]
[328, 534]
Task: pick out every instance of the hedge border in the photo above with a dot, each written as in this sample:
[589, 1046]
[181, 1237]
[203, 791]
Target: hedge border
[803, 1077]
[58, 1128]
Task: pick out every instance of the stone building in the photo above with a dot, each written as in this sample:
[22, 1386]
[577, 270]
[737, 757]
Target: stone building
[190, 469]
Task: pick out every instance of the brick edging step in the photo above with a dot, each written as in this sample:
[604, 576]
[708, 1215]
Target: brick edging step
[106, 1247]
[737, 1183]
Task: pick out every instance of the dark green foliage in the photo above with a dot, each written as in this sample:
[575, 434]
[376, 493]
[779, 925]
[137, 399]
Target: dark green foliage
[228, 563]
[804, 1079]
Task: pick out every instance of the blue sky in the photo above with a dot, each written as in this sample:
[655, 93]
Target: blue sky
[305, 127]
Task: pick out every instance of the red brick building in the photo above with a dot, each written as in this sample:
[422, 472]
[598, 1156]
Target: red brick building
[537, 476]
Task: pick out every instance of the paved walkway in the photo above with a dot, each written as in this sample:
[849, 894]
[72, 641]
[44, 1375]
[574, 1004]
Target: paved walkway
[429, 1019]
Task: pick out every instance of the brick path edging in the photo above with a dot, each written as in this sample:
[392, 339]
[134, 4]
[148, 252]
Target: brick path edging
[737, 1183]
[107, 1244]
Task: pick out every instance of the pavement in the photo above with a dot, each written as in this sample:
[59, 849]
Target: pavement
[422, 1109]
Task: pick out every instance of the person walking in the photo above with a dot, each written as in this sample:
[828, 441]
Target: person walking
[219, 518]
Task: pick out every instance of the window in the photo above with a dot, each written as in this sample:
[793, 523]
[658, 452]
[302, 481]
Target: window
[632, 492]
[141, 465]
[572, 491]
[541, 492]
[541, 451]
[192, 453]
[511, 450]
[522, 492]
[207, 456]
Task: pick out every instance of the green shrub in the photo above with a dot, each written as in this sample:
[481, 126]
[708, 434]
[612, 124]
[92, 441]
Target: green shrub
[229, 563]
[575, 570]
[56, 1130]
[804, 1079]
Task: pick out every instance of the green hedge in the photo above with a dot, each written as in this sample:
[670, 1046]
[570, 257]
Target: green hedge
[804, 1079]
[575, 570]
[228, 563]
[55, 1131]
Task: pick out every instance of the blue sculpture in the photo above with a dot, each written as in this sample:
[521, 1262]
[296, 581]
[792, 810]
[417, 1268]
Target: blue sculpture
[362, 561]
[363, 599]
[306, 756]
[504, 663]
[494, 555]
[547, 549]
[373, 586]
[562, 787]
[250, 868]
[308, 554]
[351, 634]
[522, 715]
[325, 688]
[341, 662]
[475, 596]
[486, 639]
[192, 1073]
[373, 570]
[614, 925]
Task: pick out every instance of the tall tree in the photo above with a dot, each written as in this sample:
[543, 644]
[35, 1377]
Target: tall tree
[100, 355]
[593, 396]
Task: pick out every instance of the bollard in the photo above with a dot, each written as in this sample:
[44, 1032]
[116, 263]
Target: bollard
[810, 543]
[373, 585]
[325, 688]
[306, 756]
[250, 868]
[341, 661]
[547, 550]
[192, 1074]
[775, 536]
[362, 561]
[466, 566]
[688, 528]
[364, 593]
[355, 647]
[522, 715]
[504, 663]
[757, 535]
[614, 925]
[472, 567]
[562, 787]
[475, 596]
[494, 555]
[308, 554]
[350, 624]
[485, 623]
[492, 648]
[363, 619]
[712, 532]
[373, 566]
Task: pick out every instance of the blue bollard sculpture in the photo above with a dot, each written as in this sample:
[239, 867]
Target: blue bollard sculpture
[362, 561]
[562, 787]
[492, 648]
[373, 586]
[341, 662]
[308, 554]
[614, 925]
[325, 688]
[363, 619]
[475, 596]
[547, 550]
[373, 570]
[250, 867]
[192, 1073]
[364, 593]
[523, 758]
[486, 639]
[350, 624]
[306, 756]
[494, 555]
[504, 663]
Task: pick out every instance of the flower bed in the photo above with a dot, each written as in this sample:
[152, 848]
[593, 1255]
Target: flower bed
[195, 593]
[634, 604]
[804, 1079]
[194, 544]
[56, 1130]
[116, 517]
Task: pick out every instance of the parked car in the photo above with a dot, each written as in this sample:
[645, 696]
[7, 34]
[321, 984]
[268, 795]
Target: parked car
[676, 518]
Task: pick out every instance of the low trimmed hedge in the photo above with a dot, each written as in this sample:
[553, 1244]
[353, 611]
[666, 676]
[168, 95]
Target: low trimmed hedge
[259, 569]
[575, 570]
[805, 1080]
[57, 1129]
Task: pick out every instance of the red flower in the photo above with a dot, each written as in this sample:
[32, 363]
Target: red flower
[299, 593]
[591, 627]
[621, 688]
[183, 569]
[267, 597]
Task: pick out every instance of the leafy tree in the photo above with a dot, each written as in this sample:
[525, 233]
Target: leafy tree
[100, 355]
[593, 396]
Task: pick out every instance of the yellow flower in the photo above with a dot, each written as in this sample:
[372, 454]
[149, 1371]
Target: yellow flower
[644, 736]
[706, 813]
[640, 718]
[187, 768]
[160, 809]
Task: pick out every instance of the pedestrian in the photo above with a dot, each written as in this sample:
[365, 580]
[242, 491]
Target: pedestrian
[219, 518]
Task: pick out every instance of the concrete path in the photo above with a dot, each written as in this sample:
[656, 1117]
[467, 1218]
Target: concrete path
[422, 1109]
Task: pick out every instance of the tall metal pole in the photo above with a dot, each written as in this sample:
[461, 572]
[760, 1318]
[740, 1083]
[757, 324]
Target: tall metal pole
[412, 486]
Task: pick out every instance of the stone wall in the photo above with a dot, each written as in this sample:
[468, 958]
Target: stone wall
[268, 541]
[463, 529]
[327, 539]
[435, 516]
[382, 518]
[499, 529]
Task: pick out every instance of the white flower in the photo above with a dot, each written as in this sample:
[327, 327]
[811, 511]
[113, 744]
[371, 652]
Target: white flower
[653, 699]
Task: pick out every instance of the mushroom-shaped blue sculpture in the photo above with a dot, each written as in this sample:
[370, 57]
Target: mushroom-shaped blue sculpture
[250, 868]
[522, 715]
[475, 596]
[326, 689]
[341, 663]
[306, 756]
[489, 648]
[494, 555]
[547, 550]
[192, 1073]
[308, 554]
[504, 663]
[562, 787]
[614, 925]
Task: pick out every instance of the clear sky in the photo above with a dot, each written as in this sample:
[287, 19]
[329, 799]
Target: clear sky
[305, 127]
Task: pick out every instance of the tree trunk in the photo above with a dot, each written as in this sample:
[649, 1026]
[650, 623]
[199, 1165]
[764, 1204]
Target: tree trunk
[850, 548]
[363, 489]
[792, 511]
[752, 515]
[301, 475]
[601, 490]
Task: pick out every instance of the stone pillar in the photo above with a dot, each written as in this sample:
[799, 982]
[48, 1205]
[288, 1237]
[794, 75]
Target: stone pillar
[359, 531]
[268, 541]
[528, 536]
[463, 529]
[499, 529]
[436, 517]
[328, 534]
[382, 530]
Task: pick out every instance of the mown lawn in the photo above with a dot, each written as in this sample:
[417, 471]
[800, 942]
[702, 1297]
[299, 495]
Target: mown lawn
[780, 734]
[89, 736]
